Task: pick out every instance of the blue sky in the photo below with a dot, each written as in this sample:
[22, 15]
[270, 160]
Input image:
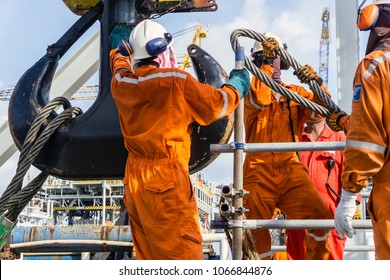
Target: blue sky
[28, 27]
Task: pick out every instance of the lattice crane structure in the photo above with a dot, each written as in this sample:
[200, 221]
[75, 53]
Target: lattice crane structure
[324, 46]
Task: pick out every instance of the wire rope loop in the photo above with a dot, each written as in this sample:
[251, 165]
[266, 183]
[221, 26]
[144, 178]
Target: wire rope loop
[324, 111]
[15, 198]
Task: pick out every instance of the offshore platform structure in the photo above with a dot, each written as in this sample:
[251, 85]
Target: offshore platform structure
[324, 46]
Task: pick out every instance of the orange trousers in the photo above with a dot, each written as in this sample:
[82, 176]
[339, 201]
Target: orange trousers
[378, 208]
[296, 245]
[290, 189]
[161, 204]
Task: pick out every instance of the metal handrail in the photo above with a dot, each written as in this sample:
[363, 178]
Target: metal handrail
[277, 147]
[286, 224]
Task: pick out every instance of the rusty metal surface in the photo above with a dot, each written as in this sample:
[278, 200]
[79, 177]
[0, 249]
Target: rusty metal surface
[149, 7]
[71, 239]
[6, 253]
[109, 233]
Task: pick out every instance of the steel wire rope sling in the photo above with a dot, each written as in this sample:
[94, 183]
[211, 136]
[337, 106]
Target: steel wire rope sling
[314, 86]
[249, 251]
[14, 199]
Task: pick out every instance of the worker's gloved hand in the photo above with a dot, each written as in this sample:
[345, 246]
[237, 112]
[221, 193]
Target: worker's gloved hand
[306, 73]
[119, 32]
[333, 121]
[358, 213]
[270, 48]
[124, 48]
[344, 214]
[239, 79]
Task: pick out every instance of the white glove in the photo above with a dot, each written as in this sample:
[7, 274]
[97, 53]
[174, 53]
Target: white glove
[344, 214]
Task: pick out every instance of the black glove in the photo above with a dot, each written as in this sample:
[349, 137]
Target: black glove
[333, 121]
[306, 73]
[124, 48]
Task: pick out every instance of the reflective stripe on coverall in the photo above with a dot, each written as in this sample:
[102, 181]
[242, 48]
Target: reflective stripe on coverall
[279, 179]
[317, 164]
[156, 109]
[366, 153]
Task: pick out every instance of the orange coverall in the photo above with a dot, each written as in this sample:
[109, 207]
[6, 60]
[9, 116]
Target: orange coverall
[279, 179]
[367, 150]
[156, 109]
[317, 163]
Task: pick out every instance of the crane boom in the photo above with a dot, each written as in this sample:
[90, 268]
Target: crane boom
[198, 36]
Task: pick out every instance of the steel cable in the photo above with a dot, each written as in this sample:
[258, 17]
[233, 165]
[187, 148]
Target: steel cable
[16, 182]
[14, 199]
[20, 199]
[324, 111]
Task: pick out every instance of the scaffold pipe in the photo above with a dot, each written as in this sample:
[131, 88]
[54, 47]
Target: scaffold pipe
[295, 224]
[279, 147]
[222, 239]
[238, 180]
[348, 248]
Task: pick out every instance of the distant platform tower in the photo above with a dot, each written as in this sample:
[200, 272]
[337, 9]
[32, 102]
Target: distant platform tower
[324, 46]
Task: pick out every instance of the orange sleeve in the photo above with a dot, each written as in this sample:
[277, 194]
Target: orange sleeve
[207, 103]
[119, 62]
[367, 139]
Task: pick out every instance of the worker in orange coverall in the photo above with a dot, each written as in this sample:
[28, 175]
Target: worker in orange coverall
[279, 179]
[325, 168]
[157, 103]
[367, 150]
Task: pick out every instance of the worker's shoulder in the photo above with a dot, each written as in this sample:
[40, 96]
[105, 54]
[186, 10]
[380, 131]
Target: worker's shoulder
[172, 70]
[378, 56]
[152, 72]
[374, 63]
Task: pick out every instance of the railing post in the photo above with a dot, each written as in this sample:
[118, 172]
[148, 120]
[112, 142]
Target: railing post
[238, 180]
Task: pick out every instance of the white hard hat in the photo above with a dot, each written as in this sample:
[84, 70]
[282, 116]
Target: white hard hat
[257, 47]
[148, 39]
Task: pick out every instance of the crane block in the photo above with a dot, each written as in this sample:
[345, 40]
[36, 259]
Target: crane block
[80, 7]
[148, 7]
[90, 146]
